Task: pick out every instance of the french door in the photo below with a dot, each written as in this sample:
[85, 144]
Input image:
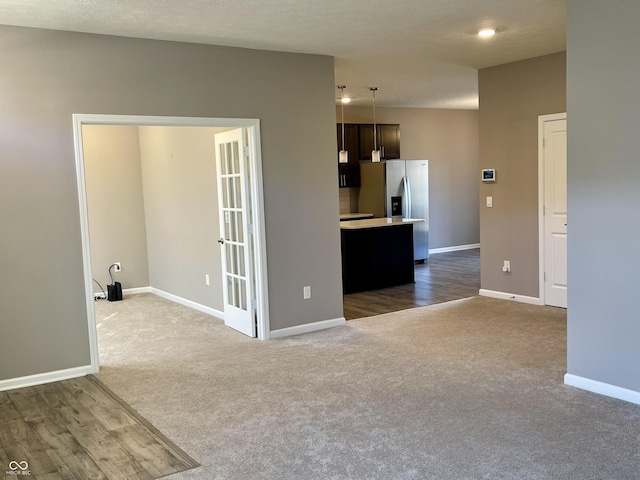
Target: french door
[235, 243]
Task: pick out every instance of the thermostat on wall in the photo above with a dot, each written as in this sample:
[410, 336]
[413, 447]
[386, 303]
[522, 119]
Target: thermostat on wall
[488, 175]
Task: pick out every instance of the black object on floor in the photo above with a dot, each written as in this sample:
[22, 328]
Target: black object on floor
[114, 292]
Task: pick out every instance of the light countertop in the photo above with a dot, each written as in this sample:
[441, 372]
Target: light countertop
[355, 216]
[378, 222]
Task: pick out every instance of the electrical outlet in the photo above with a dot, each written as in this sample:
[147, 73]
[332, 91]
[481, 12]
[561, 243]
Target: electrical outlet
[206, 280]
[306, 293]
[117, 267]
[506, 267]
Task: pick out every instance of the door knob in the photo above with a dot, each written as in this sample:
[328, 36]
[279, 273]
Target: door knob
[221, 241]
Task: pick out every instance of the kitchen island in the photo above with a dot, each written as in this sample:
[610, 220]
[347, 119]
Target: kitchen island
[377, 253]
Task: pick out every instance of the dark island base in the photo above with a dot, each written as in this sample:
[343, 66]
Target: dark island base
[375, 258]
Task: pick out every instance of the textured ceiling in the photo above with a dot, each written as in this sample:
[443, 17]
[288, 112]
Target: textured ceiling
[419, 53]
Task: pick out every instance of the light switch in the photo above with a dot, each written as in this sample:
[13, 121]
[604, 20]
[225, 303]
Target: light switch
[489, 202]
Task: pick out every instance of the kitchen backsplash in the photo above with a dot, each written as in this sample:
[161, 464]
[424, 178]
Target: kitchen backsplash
[349, 199]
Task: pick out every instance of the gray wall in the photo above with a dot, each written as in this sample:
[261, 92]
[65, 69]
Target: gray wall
[449, 140]
[116, 208]
[181, 211]
[55, 74]
[512, 96]
[604, 191]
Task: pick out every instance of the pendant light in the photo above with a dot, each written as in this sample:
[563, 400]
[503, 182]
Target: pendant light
[343, 156]
[375, 153]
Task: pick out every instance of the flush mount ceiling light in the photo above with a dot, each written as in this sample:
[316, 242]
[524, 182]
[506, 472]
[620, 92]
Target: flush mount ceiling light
[343, 156]
[375, 153]
[345, 99]
[487, 32]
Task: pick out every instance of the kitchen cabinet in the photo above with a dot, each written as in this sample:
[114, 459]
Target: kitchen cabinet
[349, 173]
[376, 253]
[358, 141]
[388, 140]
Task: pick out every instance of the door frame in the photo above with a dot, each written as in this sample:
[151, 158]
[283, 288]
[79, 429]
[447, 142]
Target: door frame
[257, 204]
[542, 119]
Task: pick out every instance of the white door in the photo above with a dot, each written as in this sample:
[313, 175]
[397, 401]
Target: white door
[235, 244]
[555, 212]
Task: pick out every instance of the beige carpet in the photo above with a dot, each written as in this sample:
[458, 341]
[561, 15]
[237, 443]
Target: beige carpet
[469, 389]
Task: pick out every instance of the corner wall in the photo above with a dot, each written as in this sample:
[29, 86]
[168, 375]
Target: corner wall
[115, 203]
[55, 74]
[181, 212]
[604, 195]
[512, 96]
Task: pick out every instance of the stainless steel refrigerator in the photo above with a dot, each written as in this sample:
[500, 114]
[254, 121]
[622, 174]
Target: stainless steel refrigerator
[398, 188]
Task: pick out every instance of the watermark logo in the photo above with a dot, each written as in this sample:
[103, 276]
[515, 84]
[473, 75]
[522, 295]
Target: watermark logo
[18, 468]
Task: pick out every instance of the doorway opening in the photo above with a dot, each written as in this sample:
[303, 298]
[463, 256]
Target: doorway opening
[255, 209]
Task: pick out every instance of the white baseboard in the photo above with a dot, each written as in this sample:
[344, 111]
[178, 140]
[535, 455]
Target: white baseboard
[47, 377]
[511, 296]
[307, 327]
[602, 388]
[134, 291]
[187, 303]
[455, 248]
[126, 291]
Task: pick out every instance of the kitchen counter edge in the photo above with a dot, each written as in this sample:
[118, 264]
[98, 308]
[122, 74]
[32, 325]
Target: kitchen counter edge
[378, 222]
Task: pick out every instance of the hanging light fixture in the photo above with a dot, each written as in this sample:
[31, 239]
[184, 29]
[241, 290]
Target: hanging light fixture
[375, 153]
[343, 156]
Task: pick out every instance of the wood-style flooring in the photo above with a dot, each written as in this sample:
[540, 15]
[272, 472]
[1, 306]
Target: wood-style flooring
[79, 429]
[445, 277]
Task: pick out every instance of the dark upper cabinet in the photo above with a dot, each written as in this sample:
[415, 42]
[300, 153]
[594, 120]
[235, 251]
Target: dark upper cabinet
[349, 173]
[358, 141]
[388, 140]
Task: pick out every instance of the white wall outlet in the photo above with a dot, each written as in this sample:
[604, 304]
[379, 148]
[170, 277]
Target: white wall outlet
[306, 293]
[206, 280]
[117, 267]
[506, 267]
[489, 202]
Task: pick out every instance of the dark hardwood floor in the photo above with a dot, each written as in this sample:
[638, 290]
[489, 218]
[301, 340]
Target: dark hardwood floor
[79, 429]
[445, 277]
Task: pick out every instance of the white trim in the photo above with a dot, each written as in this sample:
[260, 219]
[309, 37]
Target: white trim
[86, 245]
[602, 388]
[307, 327]
[510, 296]
[455, 248]
[47, 377]
[542, 119]
[253, 128]
[174, 298]
[126, 291]
[136, 290]
[259, 232]
[187, 303]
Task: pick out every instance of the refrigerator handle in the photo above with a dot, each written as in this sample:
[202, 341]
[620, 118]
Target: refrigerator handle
[407, 197]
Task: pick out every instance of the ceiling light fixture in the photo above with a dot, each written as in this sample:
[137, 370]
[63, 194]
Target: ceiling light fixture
[343, 156]
[375, 153]
[487, 32]
[346, 100]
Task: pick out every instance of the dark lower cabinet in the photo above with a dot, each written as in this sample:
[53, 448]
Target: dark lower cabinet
[375, 258]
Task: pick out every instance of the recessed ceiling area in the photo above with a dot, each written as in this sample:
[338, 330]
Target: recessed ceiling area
[419, 53]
